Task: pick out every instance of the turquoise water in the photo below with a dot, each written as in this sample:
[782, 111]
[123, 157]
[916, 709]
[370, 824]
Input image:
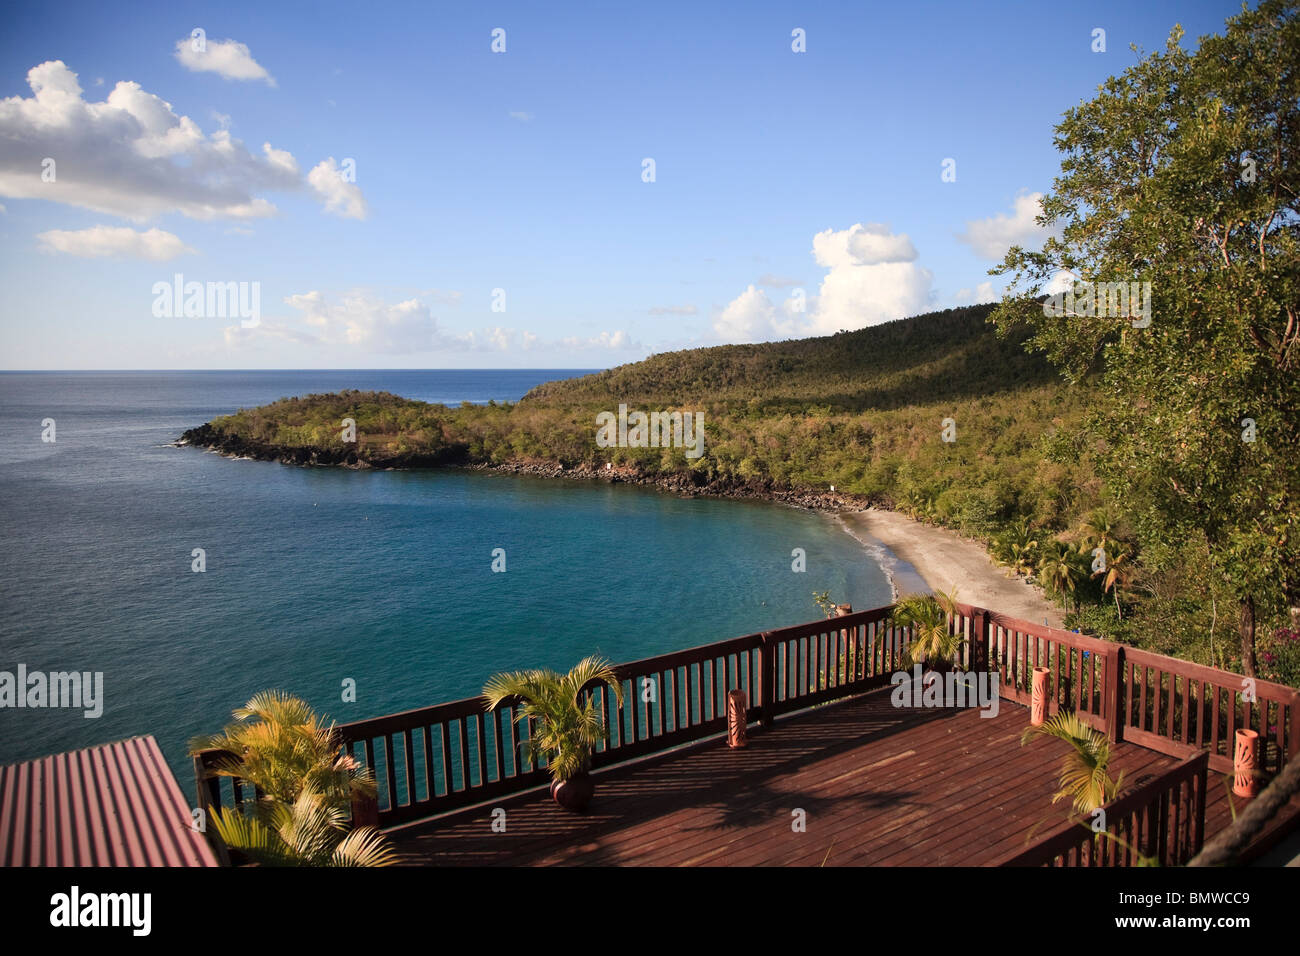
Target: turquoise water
[317, 576]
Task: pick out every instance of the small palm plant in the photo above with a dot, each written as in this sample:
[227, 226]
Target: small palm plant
[311, 831]
[934, 644]
[305, 783]
[282, 747]
[567, 730]
[1084, 775]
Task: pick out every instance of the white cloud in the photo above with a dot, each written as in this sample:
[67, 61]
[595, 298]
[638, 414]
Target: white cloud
[227, 58]
[991, 238]
[363, 322]
[981, 294]
[123, 242]
[751, 317]
[674, 310]
[366, 322]
[340, 196]
[872, 277]
[129, 155]
[521, 116]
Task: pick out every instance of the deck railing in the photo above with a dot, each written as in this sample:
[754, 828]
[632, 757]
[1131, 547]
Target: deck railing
[435, 759]
[1162, 822]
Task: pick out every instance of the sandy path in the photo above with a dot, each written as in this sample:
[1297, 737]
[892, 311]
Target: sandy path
[945, 560]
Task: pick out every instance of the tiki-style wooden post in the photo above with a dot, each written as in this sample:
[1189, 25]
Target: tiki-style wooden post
[1245, 764]
[1038, 702]
[737, 705]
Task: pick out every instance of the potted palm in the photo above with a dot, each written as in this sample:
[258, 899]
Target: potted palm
[935, 645]
[567, 729]
[305, 783]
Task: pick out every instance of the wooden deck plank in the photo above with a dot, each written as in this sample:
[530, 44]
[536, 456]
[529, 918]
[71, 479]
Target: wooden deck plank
[880, 785]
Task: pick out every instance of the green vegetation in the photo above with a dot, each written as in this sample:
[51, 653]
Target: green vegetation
[566, 730]
[934, 645]
[1145, 476]
[305, 785]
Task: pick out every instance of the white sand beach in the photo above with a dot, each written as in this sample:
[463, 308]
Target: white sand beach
[945, 560]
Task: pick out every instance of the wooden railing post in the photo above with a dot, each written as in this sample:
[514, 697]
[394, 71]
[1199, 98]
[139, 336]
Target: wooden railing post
[1112, 699]
[979, 640]
[767, 675]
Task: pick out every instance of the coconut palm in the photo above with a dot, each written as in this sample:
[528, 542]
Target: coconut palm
[1100, 526]
[1117, 576]
[1017, 547]
[1061, 568]
[283, 748]
[1084, 777]
[310, 831]
[933, 643]
[566, 729]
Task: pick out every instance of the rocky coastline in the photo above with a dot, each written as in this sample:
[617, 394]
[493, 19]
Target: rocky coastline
[686, 484]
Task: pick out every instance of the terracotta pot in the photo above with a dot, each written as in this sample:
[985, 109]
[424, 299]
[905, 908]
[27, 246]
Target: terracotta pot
[575, 793]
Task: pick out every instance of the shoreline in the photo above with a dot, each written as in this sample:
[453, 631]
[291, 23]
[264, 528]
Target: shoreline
[944, 560]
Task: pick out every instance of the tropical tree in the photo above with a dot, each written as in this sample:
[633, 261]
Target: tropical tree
[567, 729]
[934, 643]
[1117, 576]
[310, 831]
[1017, 547]
[1061, 570]
[1084, 775]
[280, 745]
[1178, 179]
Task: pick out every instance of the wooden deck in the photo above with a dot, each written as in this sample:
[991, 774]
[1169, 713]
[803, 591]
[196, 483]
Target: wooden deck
[881, 786]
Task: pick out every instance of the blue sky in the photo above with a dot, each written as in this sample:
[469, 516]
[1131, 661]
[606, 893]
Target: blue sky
[793, 193]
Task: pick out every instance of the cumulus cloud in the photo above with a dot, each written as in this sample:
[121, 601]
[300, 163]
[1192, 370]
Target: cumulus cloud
[340, 197]
[872, 277]
[227, 58]
[362, 322]
[674, 310]
[369, 323]
[981, 294]
[129, 155]
[991, 238]
[123, 242]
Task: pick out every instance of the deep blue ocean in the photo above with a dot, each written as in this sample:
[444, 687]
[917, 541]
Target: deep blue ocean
[315, 576]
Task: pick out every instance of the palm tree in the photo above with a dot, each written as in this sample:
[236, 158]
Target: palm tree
[926, 616]
[1084, 777]
[1117, 576]
[1060, 571]
[1017, 547]
[311, 831]
[567, 729]
[1100, 527]
[283, 748]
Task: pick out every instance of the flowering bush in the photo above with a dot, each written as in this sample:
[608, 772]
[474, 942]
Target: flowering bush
[1280, 658]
